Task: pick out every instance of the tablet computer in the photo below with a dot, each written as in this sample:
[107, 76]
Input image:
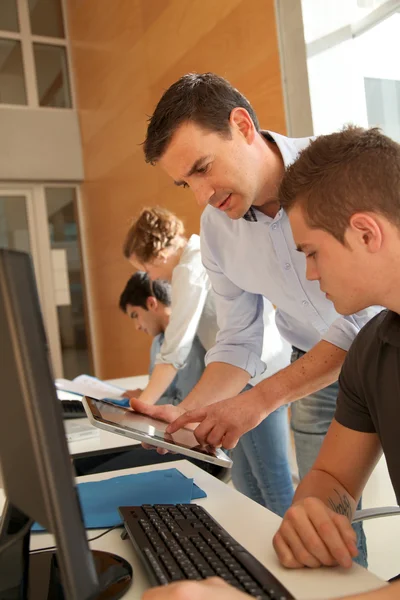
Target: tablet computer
[124, 421]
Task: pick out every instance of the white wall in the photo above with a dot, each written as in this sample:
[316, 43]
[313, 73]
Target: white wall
[40, 145]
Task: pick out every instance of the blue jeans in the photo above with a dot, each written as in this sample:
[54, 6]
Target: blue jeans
[311, 417]
[261, 463]
[186, 377]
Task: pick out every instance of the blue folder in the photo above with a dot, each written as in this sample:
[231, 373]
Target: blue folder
[100, 499]
[124, 402]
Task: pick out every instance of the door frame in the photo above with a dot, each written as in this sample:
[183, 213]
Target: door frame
[41, 257]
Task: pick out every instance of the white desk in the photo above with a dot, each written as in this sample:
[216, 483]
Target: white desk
[105, 442]
[251, 524]
[130, 383]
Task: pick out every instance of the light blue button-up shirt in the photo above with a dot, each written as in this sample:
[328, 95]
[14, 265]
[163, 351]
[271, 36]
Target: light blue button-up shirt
[247, 260]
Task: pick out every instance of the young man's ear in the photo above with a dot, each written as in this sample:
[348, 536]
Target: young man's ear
[151, 303]
[367, 230]
[240, 119]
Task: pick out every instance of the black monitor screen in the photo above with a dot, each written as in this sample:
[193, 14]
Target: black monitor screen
[34, 459]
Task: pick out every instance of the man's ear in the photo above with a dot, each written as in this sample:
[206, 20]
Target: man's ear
[151, 303]
[367, 230]
[240, 120]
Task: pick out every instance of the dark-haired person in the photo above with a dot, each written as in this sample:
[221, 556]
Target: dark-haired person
[343, 201]
[148, 304]
[206, 136]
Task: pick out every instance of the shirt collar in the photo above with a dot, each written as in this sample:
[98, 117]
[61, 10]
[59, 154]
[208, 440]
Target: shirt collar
[251, 214]
[389, 330]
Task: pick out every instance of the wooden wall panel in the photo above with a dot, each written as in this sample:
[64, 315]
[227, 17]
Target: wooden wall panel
[124, 54]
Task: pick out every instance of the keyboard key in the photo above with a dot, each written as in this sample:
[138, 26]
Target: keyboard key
[156, 566]
[256, 570]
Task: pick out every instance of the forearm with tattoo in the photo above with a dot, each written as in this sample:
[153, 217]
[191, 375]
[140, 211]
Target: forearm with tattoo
[340, 504]
[322, 485]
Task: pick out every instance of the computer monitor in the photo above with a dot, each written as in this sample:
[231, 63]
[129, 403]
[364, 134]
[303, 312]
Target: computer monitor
[34, 460]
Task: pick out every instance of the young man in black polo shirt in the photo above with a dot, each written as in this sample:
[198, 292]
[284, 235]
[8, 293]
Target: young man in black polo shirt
[343, 200]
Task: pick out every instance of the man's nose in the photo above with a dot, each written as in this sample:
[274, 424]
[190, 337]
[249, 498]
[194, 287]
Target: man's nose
[203, 193]
[311, 271]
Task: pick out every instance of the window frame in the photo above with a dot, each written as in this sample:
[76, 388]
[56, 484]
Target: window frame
[27, 40]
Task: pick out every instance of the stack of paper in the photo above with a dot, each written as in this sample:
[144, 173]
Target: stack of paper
[85, 385]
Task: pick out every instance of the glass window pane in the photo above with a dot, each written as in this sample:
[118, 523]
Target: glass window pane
[46, 18]
[9, 15]
[14, 233]
[354, 79]
[323, 18]
[383, 105]
[52, 75]
[12, 81]
[68, 280]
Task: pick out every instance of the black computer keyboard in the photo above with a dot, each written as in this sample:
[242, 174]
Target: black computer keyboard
[185, 542]
[72, 409]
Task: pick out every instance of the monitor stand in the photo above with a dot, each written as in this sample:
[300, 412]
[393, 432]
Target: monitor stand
[37, 576]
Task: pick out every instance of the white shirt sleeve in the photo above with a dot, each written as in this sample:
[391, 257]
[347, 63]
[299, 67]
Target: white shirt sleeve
[240, 321]
[189, 289]
[343, 331]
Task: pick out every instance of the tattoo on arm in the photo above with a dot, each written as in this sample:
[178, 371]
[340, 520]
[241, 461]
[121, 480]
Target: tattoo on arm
[341, 505]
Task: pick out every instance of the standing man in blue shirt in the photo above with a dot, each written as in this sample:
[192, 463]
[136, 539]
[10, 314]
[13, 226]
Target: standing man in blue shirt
[206, 136]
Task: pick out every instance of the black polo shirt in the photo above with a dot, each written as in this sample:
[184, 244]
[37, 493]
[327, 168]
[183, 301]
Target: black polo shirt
[369, 387]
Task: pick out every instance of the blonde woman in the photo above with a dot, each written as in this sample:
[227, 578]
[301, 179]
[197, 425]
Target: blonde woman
[156, 244]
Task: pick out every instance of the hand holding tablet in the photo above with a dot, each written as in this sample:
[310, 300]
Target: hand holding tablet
[140, 427]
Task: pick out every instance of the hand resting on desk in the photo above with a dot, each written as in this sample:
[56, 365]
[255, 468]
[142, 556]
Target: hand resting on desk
[312, 535]
[213, 588]
[216, 589]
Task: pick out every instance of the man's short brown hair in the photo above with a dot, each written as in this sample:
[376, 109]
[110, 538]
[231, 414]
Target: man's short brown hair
[337, 175]
[204, 98]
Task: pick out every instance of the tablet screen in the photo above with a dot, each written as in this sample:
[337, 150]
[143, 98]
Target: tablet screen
[152, 428]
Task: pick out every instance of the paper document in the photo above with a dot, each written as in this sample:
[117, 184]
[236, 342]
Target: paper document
[85, 385]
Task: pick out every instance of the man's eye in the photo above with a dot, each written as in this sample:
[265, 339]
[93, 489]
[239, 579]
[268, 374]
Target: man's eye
[185, 185]
[203, 170]
[311, 255]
